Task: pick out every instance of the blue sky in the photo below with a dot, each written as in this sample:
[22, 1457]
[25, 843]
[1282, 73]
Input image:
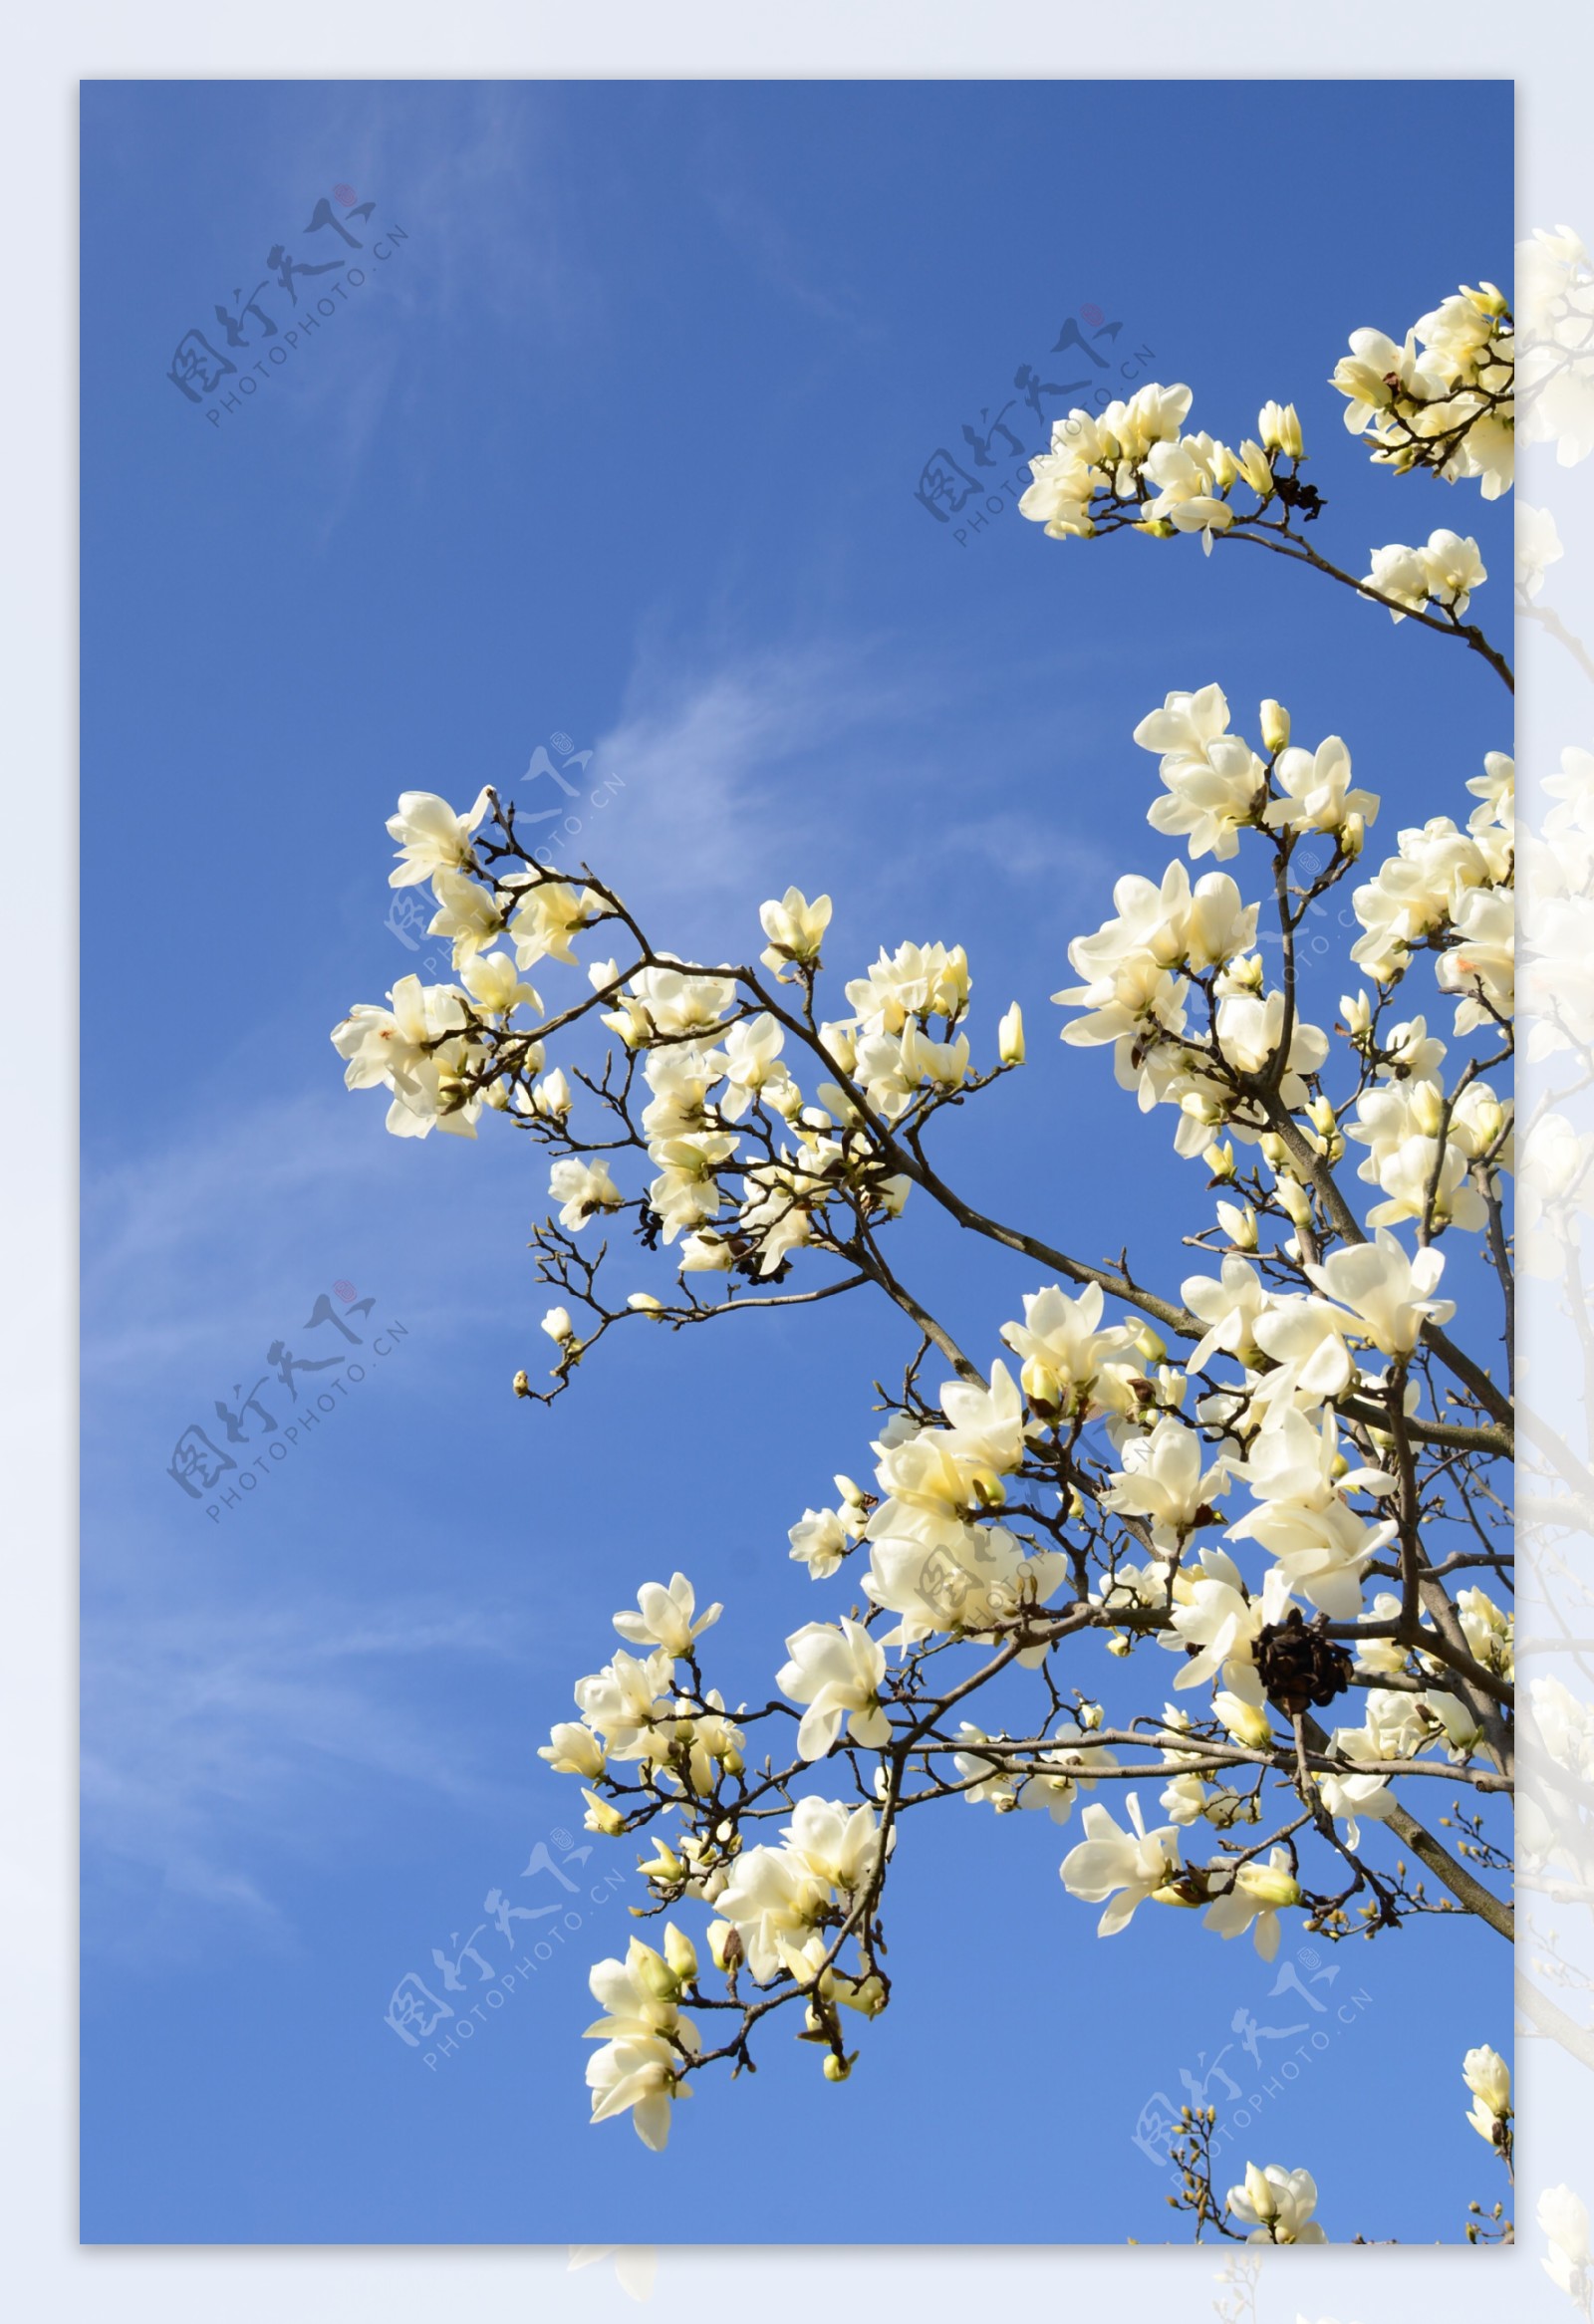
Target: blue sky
[622, 442]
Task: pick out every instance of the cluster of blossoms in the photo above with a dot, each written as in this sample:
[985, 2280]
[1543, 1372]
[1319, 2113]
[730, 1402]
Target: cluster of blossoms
[1278, 1475]
[1129, 466]
[1444, 398]
[1445, 574]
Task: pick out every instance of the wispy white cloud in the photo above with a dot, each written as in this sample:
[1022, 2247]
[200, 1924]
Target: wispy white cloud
[219, 1745]
[737, 777]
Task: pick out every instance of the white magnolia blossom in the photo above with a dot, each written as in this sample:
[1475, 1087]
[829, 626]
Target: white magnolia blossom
[1301, 1514]
[1563, 2217]
[1278, 2204]
[1318, 792]
[1252, 1901]
[1443, 573]
[1538, 546]
[1444, 398]
[431, 836]
[1047, 1517]
[1127, 1867]
[666, 1617]
[1388, 1291]
[837, 1670]
[641, 2067]
[1215, 779]
[1489, 2078]
[795, 929]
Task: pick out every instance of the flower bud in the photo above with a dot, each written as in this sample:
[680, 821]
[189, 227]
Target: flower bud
[644, 1303]
[1041, 1385]
[1219, 1160]
[724, 1946]
[522, 1384]
[1428, 1107]
[1259, 2188]
[557, 1324]
[1275, 728]
[1352, 836]
[663, 1864]
[1295, 1202]
[1488, 2077]
[681, 1953]
[1010, 1036]
[1269, 1884]
[601, 1817]
[1356, 1013]
[1149, 1345]
[651, 1970]
[1238, 1224]
[1248, 1722]
[836, 2069]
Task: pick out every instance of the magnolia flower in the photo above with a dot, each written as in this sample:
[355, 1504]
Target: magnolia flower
[1301, 1516]
[1489, 2078]
[1230, 1308]
[1010, 1036]
[546, 918]
[1444, 572]
[1071, 1362]
[1563, 2217]
[645, 2073]
[1480, 960]
[769, 1896]
[1162, 1478]
[491, 981]
[1253, 1899]
[836, 1844]
[1128, 1866]
[573, 1749]
[1306, 1339]
[431, 836]
[1389, 1294]
[1318, 796]
[916, 980]
[835, 1671]
[1276, 2202]
[1213, 1615]
[666, 1617]
[557, 1324]
[466, 914]
[1538, 546]
[795, 929]
[819, 1541]
[409, 1049]
[627, 1701]
[582, 1189]
[1215, 779]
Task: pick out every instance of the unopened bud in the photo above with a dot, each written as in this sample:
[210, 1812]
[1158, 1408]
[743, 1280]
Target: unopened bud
[1295, 1202]
[681, 1953]
[1270, 1886]
[1275, 728]
[1010, 1037]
